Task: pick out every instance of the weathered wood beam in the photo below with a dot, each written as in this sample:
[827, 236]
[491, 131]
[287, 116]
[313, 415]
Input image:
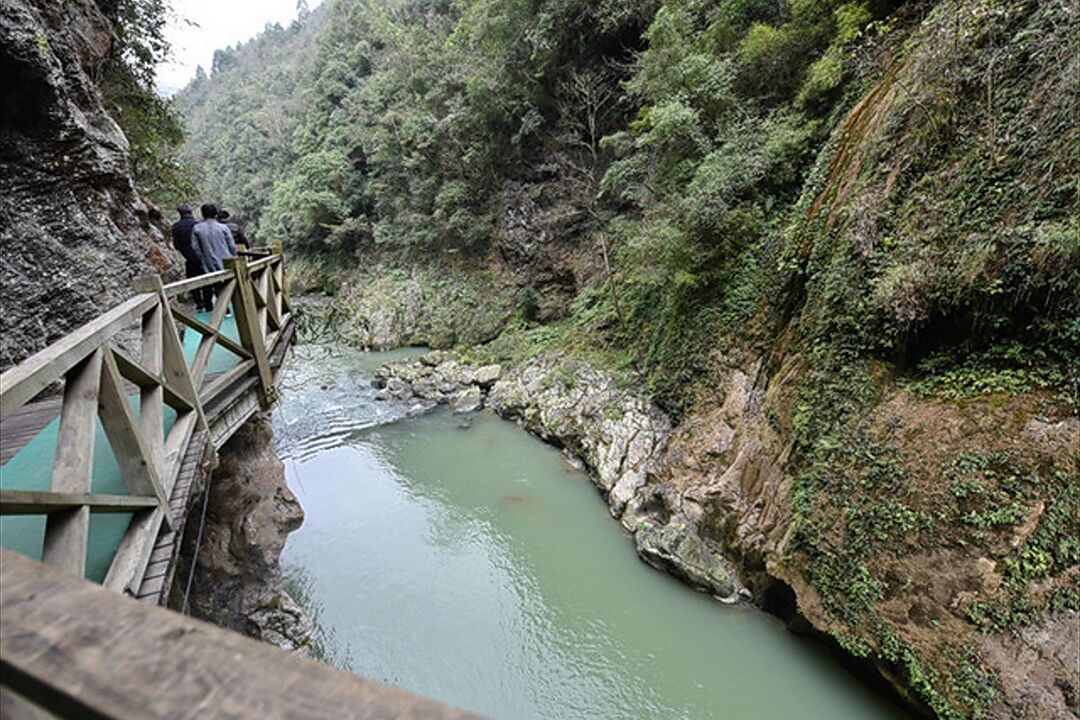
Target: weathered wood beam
[152, 397]
[67, 533]
[182, 286]
[260, 301]
[135, 373]
[277, 278]
[176, 445]
[140, 473]
[254, 267]
[273, 302]
[174, 364]
[211, 333]
[207, 331]
[28, 378]
[27, 502]
[225, 379]
[247, 325]
[132, 556]
[77, 650]
[286, 301]
[261, 284]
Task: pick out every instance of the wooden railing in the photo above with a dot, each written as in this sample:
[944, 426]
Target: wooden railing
[69, 649]
[99, 370]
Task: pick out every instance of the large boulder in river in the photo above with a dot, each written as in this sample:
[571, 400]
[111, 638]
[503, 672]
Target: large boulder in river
[684, 554]
[467, 400]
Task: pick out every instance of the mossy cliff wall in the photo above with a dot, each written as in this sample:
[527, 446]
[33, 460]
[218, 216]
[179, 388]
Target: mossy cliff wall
[883, 433]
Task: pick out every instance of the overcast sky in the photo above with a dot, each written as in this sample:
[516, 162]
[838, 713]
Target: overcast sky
[202, 26]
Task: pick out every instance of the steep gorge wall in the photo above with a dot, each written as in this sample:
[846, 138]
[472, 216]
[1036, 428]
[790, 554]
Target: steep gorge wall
[926, 520]
[881, 436]
[73, 230]
[237, 580]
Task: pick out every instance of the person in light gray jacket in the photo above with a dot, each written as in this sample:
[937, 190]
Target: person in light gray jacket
[212, 242]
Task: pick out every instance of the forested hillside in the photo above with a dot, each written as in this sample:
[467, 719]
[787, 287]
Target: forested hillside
[240, 126]
[869, 209]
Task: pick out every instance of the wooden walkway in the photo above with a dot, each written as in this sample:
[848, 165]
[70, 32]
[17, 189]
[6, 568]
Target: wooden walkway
[100, 379]
[75, 649]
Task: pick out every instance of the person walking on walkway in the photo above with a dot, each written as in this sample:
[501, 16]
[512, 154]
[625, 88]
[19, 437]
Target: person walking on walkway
[234, 227]
[212, 242]
[181, 238]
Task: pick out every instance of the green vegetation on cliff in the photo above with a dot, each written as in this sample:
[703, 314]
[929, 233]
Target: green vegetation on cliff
[879, 196]
[151, 124]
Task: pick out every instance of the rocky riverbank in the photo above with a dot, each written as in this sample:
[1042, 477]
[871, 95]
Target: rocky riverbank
[713, 502]
[238, 582]
[600, 421]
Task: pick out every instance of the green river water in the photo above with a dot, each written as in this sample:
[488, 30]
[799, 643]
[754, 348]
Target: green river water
[465, 560]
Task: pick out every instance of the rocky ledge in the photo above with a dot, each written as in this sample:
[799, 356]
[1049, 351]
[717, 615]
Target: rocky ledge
[237, 581]
[600, 421]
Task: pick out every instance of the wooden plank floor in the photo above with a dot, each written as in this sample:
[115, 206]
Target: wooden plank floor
[157, 579]
[225, 413]
[24, 424]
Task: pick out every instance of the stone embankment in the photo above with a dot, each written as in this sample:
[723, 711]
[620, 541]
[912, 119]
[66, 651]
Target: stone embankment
[600, 422]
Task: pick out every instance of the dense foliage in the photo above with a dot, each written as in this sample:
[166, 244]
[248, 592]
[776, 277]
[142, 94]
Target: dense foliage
[151, 123]
[241, 123]
[686, 131]
[886, 190]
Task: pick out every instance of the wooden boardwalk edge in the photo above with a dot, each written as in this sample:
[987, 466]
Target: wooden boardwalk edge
[73, 649]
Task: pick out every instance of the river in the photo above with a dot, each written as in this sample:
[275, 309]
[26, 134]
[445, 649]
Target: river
[463, 559]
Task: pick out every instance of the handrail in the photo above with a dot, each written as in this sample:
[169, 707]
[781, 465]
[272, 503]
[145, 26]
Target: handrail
[97, 373]
[199, 281]
[71, 649]
[255, 265]
[23, 382]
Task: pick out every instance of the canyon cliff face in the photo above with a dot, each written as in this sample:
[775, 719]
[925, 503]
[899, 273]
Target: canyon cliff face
[857, 305]
[73, 229]
[237, 581]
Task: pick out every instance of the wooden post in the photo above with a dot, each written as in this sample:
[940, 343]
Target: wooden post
[67, 533]
[173, 365]
[152, 397]
[286, 301]
[247, 325]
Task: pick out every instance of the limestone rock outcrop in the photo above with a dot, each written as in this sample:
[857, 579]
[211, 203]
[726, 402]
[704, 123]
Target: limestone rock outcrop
[613, 430]
[73, 229]
[238, 581]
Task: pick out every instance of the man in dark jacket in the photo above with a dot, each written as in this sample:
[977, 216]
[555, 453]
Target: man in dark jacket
[237, 232]
[181, 237]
